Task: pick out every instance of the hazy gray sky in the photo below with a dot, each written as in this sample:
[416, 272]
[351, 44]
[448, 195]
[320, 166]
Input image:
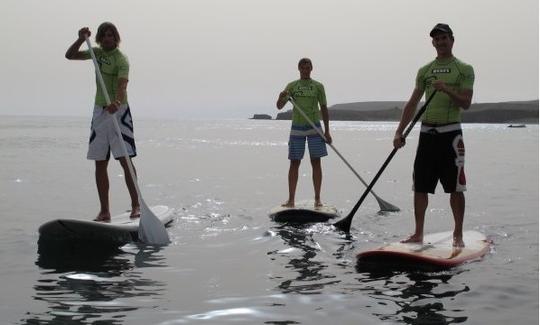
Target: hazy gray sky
[230, 58]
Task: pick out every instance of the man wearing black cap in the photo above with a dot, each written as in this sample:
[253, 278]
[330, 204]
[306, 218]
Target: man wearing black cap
[441, 152]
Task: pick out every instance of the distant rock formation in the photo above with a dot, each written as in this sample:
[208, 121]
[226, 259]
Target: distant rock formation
[504, 112]
[261, 117]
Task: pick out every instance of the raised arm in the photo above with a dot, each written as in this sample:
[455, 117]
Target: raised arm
[73, 52]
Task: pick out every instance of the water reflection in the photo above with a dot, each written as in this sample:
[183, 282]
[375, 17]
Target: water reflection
[390, 295]
[93, 284]
[310, 272]
[413, 297]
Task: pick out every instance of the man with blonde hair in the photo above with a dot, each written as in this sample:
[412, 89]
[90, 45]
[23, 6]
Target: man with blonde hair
[114, 68]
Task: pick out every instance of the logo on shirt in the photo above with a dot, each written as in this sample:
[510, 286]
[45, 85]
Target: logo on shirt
[441, 70]
[304, 91]
[105, 60]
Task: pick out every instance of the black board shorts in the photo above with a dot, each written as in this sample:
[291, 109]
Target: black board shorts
[440, 156]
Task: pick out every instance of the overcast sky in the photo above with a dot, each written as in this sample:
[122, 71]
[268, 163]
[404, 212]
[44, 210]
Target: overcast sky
[230, 58]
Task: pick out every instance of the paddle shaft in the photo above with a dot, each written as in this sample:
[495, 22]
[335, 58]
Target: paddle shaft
[331, 145]
[345, 224]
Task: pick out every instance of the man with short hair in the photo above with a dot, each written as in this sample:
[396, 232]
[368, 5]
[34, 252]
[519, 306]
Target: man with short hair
[309, 95]
[441, 152]
[114, 68]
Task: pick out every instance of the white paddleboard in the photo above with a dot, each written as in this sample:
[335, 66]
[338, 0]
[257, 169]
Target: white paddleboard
[303, 212]
[436, 251]
[121, 230]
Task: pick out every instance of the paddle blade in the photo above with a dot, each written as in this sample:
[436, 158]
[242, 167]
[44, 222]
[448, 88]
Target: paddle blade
[387, 207]
[151, 230]
[344, 224]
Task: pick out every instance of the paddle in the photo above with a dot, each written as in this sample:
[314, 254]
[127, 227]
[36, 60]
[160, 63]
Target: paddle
[345, 223]
[151, 230]
[384, 206]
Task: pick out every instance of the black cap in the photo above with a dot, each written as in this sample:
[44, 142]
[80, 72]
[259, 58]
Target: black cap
[443, 28]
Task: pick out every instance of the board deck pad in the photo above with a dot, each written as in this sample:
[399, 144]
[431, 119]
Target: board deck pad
[303, 212]
[436, 251]
[121, 230]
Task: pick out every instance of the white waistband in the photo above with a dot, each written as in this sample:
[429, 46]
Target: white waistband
[441, 129]
[304, 133]
[122, 106]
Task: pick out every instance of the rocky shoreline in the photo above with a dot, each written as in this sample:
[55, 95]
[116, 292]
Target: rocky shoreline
[525, 112]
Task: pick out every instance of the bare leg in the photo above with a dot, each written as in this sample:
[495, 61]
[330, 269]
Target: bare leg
[293, 180]
[420, 206]
[457, 202]
[135, 207]
[317, 180]
[102, 182]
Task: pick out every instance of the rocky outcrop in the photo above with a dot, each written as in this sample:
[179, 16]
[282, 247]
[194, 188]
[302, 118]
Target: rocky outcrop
[261, 117]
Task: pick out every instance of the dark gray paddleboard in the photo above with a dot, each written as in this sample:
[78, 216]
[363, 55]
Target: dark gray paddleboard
[121, 230]
[303, 212]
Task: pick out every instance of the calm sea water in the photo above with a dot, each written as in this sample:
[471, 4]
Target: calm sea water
[229, 263]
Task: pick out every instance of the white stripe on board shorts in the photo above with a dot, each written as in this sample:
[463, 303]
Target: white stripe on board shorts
[103, 137]
[297, 142]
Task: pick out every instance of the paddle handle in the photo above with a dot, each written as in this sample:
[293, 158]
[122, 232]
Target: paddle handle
[345, 224]
[115, 122]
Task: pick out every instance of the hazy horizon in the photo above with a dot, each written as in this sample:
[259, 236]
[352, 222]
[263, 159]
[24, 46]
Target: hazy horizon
[209, 58]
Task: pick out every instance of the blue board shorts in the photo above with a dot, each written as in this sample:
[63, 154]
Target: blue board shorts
[103, 136]
[297, 142]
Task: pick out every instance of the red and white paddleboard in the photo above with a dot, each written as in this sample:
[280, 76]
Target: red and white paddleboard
[436, 251]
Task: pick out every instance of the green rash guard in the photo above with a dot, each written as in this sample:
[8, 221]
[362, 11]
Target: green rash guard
[113, 66]
[457, 75]
[308, 95]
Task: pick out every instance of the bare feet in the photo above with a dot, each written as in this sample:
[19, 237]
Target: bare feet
[456, 251]
[103, 217]
[416, 239]
[458, 242]
[135, 213]
[318, 204]
[288, 204]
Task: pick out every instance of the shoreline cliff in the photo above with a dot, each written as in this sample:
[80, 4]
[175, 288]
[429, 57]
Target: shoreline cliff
[502, 112]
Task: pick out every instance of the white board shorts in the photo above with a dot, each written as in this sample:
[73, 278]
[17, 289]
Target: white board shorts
[103, 136]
